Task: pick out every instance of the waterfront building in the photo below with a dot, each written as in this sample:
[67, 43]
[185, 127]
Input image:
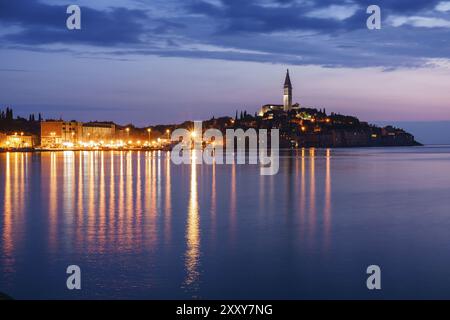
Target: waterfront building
[99, 131]
[2, 140]
[58, 133]
[17, 140]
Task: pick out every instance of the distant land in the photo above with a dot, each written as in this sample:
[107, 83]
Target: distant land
[427, 132]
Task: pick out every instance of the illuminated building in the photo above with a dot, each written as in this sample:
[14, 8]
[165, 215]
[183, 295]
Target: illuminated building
[287, 100]
[98, 131]
[2, 140]
[17, 140]
[56, 134]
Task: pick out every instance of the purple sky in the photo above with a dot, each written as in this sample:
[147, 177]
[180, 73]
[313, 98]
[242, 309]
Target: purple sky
[150, 62]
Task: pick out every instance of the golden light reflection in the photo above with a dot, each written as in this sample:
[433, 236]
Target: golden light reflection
[233, 200]
[121, 203]
[327, 207]
[101, 229]
[69, 186]
[150, 199]
[91, 195]
[138, 211]
[8, 244]
[80, 204]
[112, 196]
[129, 198]
[312, 191]
[168, 201]
[53, 201]
[192, 255]
[213, 202]
[303, 192]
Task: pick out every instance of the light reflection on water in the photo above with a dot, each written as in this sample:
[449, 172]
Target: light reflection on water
[141, 227]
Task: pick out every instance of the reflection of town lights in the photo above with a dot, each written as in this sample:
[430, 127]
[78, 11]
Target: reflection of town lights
[130, 142]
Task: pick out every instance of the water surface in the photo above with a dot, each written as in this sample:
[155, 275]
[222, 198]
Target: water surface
[141, 227]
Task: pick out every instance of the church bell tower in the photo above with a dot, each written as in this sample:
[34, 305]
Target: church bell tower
[287, 96]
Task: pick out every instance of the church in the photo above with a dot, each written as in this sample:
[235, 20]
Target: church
[287, 105]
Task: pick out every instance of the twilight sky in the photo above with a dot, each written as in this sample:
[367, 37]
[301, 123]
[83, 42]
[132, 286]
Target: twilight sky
[165, 61]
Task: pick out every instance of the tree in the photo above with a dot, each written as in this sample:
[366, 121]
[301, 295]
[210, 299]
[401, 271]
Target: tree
[10, 114]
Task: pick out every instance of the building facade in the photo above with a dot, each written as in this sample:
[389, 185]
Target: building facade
[17, 141]
[98, 131]
[2, 140]
[57, 134]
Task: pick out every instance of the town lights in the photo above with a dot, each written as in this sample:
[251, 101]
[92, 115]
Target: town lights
[149, 131]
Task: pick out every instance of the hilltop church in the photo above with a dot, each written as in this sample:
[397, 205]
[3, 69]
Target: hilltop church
[287, 105]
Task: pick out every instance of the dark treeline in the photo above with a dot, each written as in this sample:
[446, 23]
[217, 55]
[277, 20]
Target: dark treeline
[9, 123]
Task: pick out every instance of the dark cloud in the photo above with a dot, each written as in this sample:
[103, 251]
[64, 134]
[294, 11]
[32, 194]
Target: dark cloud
[44, 24]
[272, 31]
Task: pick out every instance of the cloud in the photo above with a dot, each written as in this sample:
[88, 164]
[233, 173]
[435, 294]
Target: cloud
[443, 6]
[41, 23]
[420, 22]
[337, 12]
[329, 33]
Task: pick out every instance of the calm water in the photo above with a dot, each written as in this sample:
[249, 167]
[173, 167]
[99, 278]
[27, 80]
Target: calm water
[141, 227]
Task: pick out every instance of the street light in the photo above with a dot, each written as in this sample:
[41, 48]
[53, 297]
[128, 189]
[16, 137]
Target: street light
[149, 133]
[168, 134]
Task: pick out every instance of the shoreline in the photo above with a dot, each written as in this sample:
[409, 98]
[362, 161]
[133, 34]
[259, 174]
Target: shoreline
[167, 149]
